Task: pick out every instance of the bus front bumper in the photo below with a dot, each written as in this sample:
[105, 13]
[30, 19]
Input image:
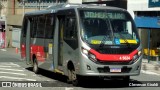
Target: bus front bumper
[92, 69]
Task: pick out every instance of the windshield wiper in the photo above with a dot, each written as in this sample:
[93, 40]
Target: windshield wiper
[103, 41]
[111, 32]
[107, 36]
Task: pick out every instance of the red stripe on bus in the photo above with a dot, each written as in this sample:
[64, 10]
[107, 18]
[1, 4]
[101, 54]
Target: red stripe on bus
[114, 57]
[35, 50]
[38, 51]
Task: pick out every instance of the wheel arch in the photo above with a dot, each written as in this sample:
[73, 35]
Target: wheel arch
[70, 65]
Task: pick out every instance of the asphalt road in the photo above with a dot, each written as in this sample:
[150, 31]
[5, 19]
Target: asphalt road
[13, 69]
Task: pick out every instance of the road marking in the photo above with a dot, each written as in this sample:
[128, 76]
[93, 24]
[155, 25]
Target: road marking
[8, 77]
[11, 69]
[7, 69]
[3, 50]
[9, 64]
[13, 73]
[149, 72]
[4, 66]
[69, 88]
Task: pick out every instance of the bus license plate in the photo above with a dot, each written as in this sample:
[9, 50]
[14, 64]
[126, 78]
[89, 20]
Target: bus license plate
[115, 70]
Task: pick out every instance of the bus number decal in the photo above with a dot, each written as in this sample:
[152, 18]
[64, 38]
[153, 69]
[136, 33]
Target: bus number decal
[124, 58]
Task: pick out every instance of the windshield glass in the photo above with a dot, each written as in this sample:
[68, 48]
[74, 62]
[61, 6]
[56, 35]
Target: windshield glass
[109, 27]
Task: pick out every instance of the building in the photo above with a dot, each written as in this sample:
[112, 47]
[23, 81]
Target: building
[12, 11]
[2, 23]
[11, 15]
[147, 19]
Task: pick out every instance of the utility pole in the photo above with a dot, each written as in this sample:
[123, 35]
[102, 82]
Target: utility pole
[23, 7]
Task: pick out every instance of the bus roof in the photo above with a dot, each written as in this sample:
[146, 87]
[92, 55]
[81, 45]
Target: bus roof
[69, 5]
[55, 8]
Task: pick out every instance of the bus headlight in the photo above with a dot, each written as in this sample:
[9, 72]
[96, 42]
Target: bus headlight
[136, 56]
[88, 54]
[139, 53]
[84, 51]
[92, 57]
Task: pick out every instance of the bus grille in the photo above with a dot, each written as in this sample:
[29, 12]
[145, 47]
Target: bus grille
[115, 51]
[114, 62]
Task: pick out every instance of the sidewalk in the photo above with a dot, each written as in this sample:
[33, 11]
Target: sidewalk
[12, 51]
[153, 67]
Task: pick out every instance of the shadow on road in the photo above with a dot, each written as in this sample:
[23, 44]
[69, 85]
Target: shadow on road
[87, 82]
[50, 74]
[99, 83]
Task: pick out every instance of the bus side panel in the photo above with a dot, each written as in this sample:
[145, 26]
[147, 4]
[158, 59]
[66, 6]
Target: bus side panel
[70, 54]
[46, 59]
[38, 51]
[42, 52]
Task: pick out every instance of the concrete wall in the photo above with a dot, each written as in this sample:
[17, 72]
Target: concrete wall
[144, 37]
[16, 33]
[9, 36]
[155, 37]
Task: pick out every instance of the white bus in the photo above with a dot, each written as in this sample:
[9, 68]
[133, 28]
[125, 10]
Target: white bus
[82, 40]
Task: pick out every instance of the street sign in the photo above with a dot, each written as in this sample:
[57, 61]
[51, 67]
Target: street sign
[154, 3]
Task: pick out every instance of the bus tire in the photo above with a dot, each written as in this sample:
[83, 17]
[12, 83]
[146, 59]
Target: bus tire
[69, 80]
[75, 79]
[72, 78]
[35, 66]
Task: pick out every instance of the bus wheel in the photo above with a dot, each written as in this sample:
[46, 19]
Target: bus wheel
[75, 79]
[69, 78]
[72, 78]
[35, 66]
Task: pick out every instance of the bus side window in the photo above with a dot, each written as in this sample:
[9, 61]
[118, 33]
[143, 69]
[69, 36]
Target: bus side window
[70, 28]
[33, 33]
[40, 27]
[49, 27]
[24, 31]
[33, 21]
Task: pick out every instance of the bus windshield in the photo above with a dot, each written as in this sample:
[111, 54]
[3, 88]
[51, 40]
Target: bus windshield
[112, 27]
